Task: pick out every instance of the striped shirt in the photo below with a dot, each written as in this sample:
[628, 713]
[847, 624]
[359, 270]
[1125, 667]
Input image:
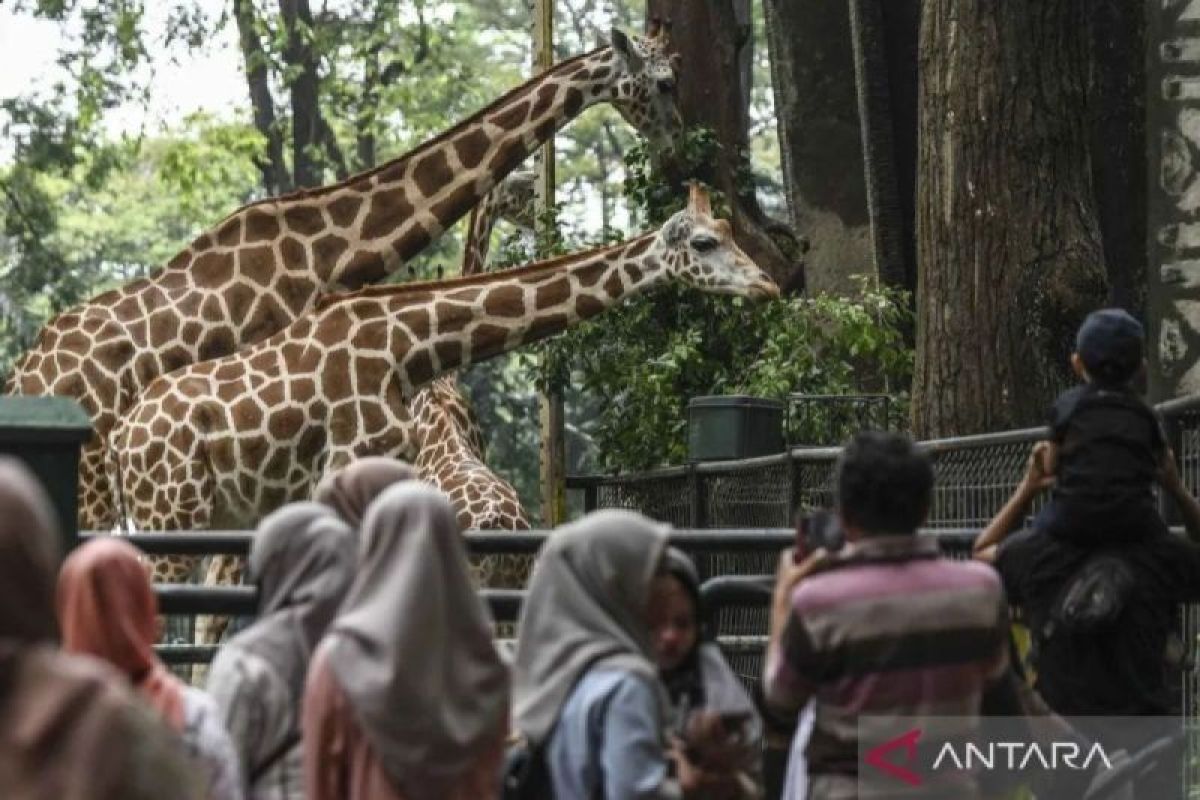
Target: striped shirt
[900, 633]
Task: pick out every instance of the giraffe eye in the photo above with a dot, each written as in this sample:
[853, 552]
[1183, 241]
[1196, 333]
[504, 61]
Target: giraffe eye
[704, 244]
[666, 85]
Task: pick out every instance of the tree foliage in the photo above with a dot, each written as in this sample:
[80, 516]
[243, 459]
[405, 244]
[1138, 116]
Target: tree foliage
[338, 86]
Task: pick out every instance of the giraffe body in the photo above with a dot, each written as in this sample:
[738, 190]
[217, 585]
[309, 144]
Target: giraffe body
[264, 266]
[233, 438]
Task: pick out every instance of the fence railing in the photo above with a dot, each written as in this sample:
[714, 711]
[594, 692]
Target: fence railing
[715, 553]
[974, 476]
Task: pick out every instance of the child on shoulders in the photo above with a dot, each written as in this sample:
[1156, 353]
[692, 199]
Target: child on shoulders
[1107, 444]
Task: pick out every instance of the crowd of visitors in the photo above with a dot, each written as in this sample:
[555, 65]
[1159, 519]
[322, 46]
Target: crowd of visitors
[371, 670]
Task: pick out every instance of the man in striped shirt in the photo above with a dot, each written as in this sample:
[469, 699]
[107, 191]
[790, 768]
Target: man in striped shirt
[884, 628]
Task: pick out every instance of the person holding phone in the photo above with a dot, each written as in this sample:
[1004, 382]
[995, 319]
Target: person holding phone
[711, 713]
[884, 628]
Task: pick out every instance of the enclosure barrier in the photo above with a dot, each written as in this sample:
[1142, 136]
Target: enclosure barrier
[974, 476]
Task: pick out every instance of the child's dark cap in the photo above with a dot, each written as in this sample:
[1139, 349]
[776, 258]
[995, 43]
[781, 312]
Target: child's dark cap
[1110, 344]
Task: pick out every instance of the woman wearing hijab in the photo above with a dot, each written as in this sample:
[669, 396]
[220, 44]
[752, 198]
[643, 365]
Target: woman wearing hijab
[407, 698]
[107, 609]
[587, 690]
[302, 560]
[710, 709]
[70, 729]
[350, 490]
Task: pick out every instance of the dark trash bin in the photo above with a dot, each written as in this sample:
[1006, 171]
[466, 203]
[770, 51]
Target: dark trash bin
[47, 433]
[723, 427]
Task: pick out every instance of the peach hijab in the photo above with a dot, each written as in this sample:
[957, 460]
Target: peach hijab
[107, 609]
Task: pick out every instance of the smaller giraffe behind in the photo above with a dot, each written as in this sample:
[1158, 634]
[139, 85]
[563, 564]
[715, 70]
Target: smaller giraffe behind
[450, 449]
[512, 201]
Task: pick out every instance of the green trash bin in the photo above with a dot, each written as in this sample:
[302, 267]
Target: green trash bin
[722, 427]
[47, 433]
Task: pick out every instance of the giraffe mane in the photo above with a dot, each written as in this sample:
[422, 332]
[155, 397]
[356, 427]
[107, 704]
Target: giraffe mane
[398, 289]
[454, 130]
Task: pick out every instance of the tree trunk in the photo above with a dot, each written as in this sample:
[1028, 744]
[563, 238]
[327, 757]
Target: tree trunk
[1007, 236]
[711, 42]
[879, 152]
[820, 145]
[1118, 146]
[272, 165]
[307, 132]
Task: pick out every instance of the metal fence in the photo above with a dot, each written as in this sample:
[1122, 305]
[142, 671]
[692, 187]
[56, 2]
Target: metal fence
[974, 476]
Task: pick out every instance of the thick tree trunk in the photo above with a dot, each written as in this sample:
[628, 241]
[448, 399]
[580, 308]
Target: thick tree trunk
[272, 165]
[879, 151]
[1007, 236]
[1118, 145]
[711, 42]
[820, 140]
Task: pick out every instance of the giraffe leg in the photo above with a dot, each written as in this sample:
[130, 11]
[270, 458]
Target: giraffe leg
[222, 571]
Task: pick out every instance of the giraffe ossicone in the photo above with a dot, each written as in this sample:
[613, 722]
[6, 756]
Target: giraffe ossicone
[256, 271]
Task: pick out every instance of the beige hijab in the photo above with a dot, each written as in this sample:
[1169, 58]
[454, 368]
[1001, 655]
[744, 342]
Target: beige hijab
[302, 560]
[60, 715]
[585, 607]
[412, 647]
[350, 490]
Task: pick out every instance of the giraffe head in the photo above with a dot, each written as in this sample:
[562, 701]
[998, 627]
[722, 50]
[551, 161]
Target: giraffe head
[700, 251]
[515, 198]
[644, 85]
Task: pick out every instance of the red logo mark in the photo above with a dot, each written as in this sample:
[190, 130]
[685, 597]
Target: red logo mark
[908, 741]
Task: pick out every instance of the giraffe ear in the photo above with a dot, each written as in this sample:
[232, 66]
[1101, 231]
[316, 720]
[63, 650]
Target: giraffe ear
[698, 200]
[624, 48]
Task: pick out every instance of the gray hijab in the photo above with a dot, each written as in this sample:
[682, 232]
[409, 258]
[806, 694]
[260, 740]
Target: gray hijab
[302, 560]
[350, 490]
[585, 607]
[412, 648]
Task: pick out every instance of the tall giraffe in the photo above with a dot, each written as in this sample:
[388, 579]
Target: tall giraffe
[222, 442]
[263, 266]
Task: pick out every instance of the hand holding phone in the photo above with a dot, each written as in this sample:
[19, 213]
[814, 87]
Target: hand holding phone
[819, 529]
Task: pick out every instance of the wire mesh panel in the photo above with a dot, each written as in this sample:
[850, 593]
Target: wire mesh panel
[815, 478]
[976, 475]
[749, 498]
[664, 498]
[1187, 446]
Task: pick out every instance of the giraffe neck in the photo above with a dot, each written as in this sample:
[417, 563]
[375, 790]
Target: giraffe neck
[479, 232]
[472, 319]
[394, 211]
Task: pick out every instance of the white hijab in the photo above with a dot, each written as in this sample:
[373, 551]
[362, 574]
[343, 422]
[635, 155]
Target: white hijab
[585, 607]
[412, 648]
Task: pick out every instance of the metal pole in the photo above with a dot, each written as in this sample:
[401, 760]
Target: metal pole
[550, 403]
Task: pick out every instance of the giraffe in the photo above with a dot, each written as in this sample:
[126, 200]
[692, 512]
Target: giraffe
[255, 272]
[220, 443]
[512, 200]
[451, 453]
[448, 446]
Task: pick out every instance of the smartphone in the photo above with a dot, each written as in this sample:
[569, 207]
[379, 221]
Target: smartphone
[819, 529]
